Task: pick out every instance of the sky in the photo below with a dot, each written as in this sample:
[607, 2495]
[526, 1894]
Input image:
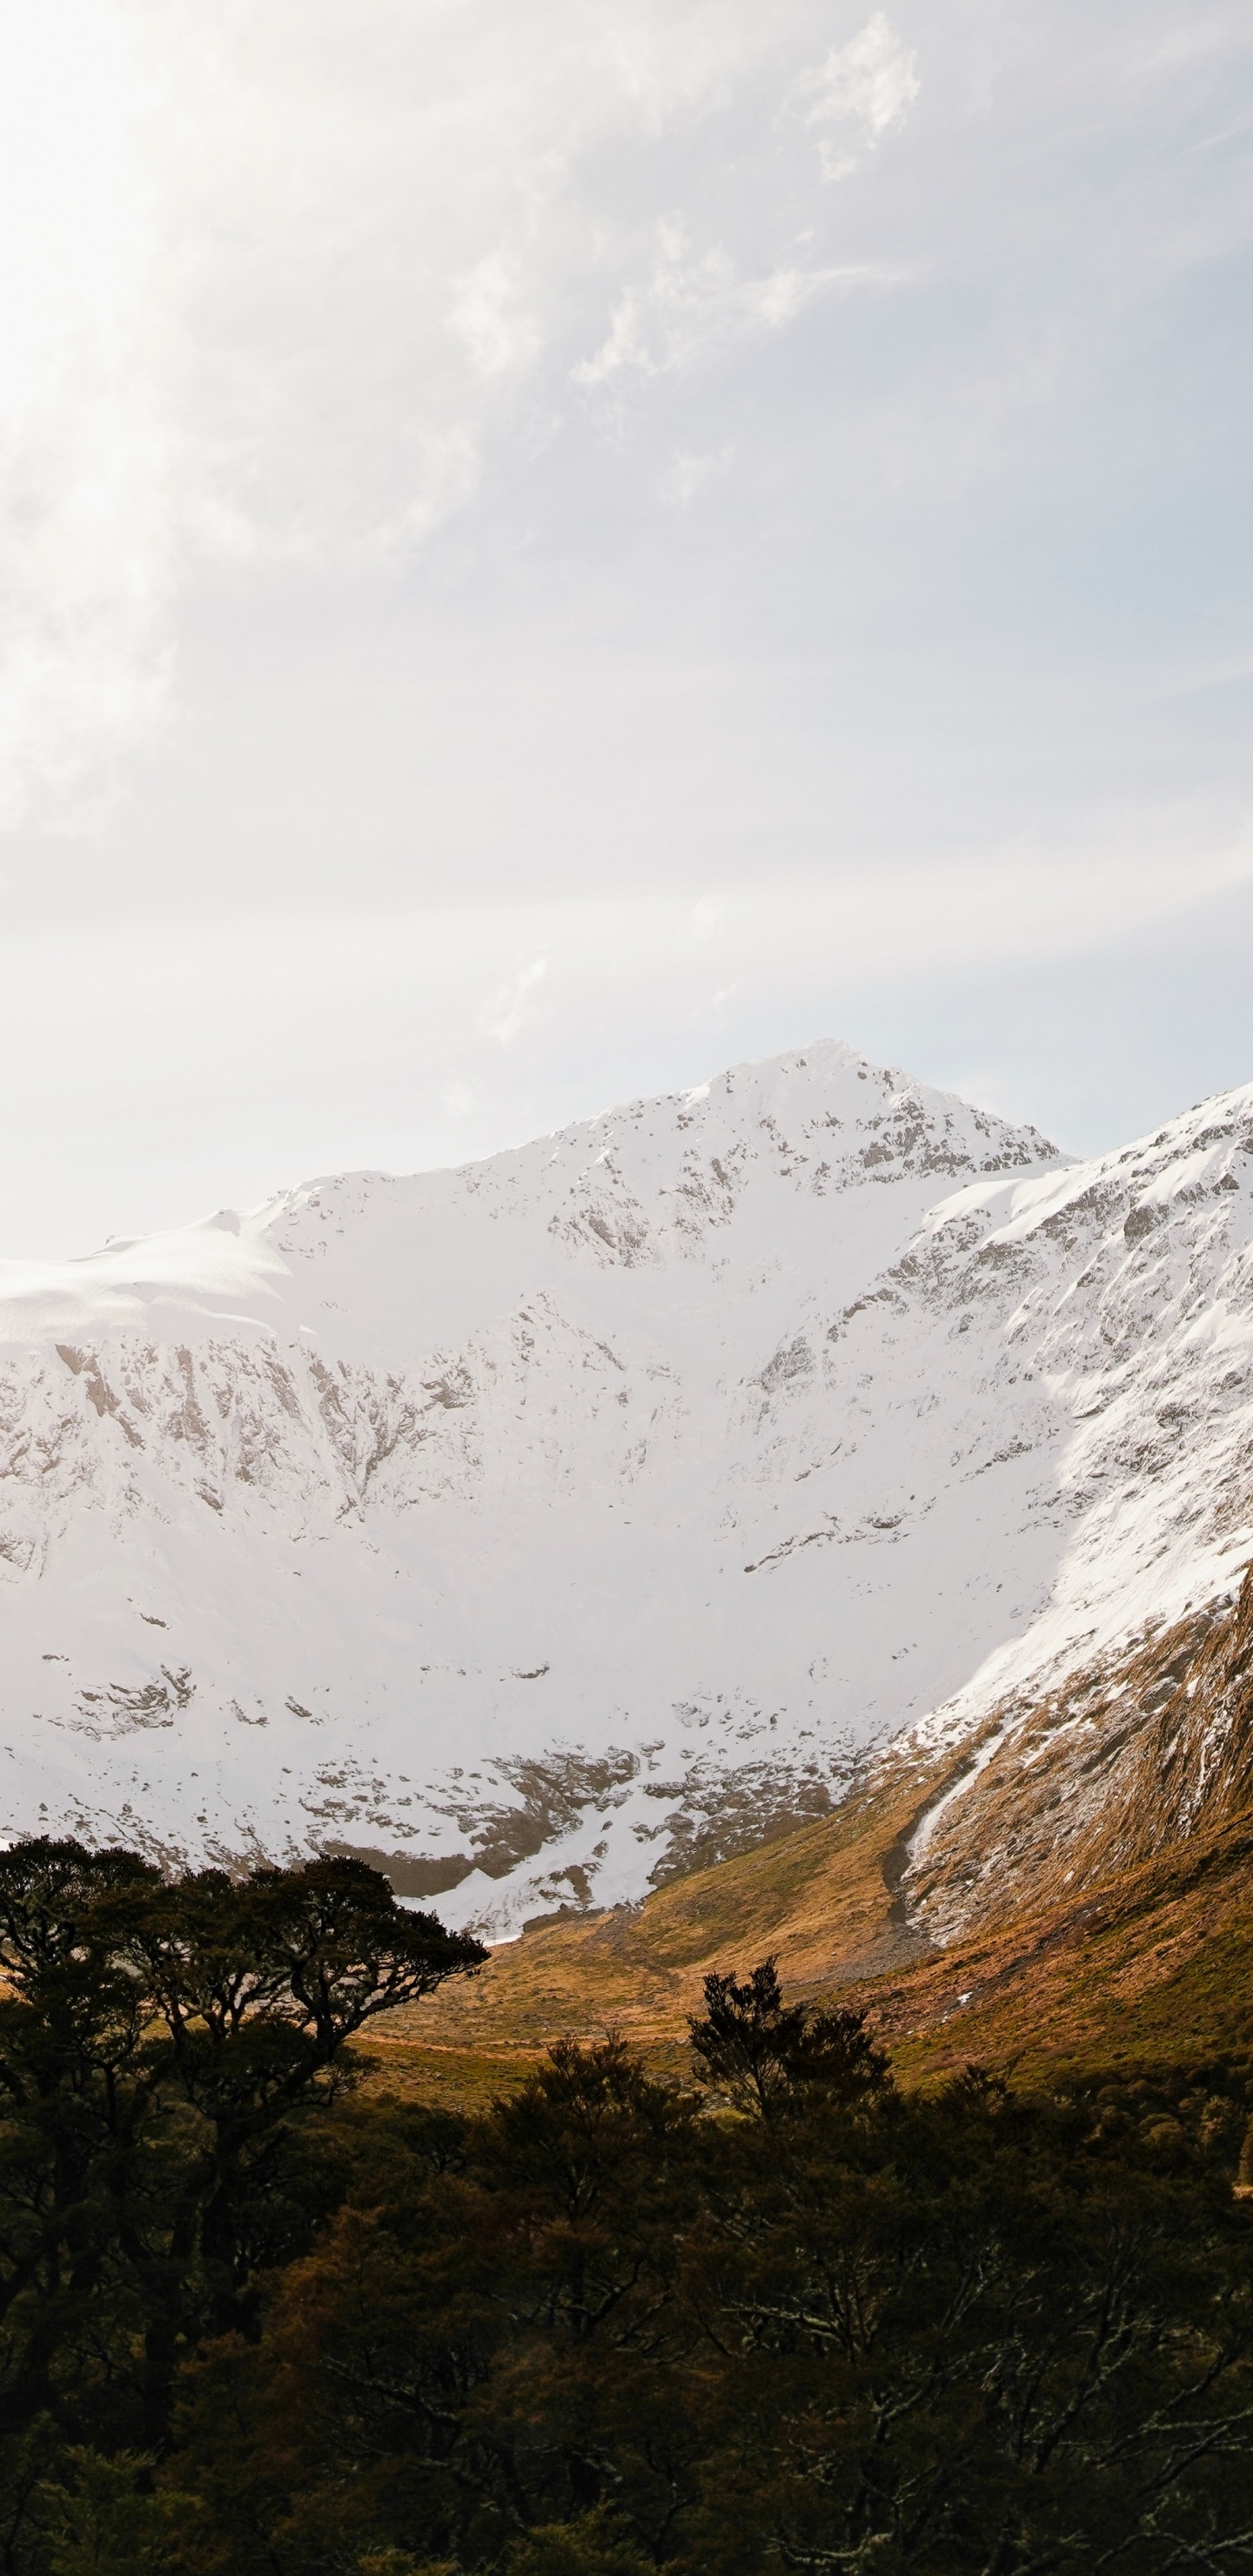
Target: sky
[550, 546]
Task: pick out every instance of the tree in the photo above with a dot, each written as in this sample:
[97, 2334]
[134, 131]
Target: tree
[162, 2046]
[756, 2050]
[104, 2522]
[588, 2547]
[973, 2333]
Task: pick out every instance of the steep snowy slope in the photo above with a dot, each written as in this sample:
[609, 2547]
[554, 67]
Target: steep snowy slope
[562, 1519]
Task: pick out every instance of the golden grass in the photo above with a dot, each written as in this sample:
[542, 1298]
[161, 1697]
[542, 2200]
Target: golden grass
[1155, 1965]
[821, 1898]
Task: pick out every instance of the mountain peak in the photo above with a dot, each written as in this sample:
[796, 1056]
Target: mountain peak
[564, 1519]
[648, 1178]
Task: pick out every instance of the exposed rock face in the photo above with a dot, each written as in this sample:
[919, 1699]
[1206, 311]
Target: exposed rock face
[1129, 1757]
[586, 1514]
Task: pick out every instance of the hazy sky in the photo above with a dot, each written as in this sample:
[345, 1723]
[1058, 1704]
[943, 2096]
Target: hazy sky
[551, 545]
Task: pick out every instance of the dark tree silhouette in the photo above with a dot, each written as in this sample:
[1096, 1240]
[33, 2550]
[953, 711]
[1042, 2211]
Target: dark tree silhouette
[255, 2318]
[161, 2047]
[756, 2050]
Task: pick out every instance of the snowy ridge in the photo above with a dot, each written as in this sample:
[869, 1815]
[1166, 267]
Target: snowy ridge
[575, 1516]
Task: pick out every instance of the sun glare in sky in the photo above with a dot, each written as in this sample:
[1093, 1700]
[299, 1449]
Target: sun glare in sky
[548, 548]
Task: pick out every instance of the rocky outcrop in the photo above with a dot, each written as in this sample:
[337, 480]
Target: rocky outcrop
[1130, 1757]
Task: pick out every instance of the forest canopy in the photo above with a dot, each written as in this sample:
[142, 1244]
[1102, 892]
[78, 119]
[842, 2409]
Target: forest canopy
[256, 2315]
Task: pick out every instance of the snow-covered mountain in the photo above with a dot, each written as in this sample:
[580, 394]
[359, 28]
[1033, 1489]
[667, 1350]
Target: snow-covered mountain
[553, 1523]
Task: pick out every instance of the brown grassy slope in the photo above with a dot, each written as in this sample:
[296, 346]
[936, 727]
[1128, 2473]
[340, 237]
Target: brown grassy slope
[1138, 1778]
[1154, 1968]
[823, 1898]
[1125, 1759]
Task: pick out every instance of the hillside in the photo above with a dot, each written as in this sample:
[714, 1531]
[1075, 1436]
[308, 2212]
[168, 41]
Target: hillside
[1083, 1897]
[556, 1527]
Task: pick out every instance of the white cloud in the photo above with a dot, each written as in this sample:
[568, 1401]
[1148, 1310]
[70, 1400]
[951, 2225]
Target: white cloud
[449, 463]
[270, 284]
[687, 300]
[693, 305]
[869, 82]
[491, 316]
[872, 79]
[86, 452]
[283, 291]
[507, 1010]
[686, 475]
